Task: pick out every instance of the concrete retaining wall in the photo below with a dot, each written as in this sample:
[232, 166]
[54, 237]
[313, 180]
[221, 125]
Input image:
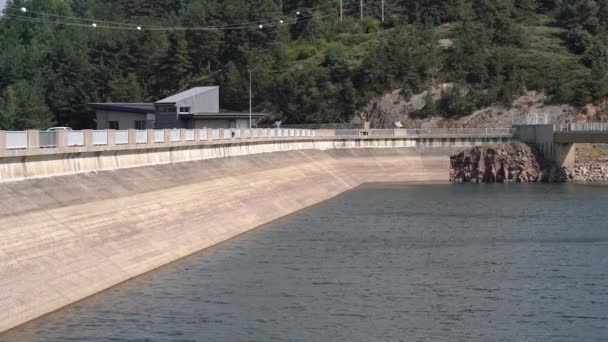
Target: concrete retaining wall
[543, 136]
[40, 165]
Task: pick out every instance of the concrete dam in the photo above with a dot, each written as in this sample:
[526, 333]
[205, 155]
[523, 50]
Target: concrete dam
[78, 219]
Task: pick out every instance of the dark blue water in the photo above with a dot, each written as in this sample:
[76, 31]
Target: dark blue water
[382, 263]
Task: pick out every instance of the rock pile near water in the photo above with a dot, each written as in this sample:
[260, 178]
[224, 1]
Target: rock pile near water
[504, 163]
[596, 171]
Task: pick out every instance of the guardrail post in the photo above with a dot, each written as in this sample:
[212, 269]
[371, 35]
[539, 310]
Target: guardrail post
[150, 135]
[221, 135]
[88, 137]
[182, 136]
[167, 135]
[111, 137]
[132, 133]
[209, 134]
[2, 141]
[33, 138]
[62, 138]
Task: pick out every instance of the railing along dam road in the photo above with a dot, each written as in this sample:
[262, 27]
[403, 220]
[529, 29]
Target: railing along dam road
[19, 143]
[588, 132]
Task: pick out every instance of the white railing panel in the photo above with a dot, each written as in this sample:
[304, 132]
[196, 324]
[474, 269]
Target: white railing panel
[202, 134]
[190, 135]
[176, 135]
[237, 133]
[75, 138]
[264, 133]
[228, 134]
[215, 134]
[99, 137]
[141, 137]
[121, 137]
[16, 140]
[47, 139]
[273, 133]
[347, 132]
[159, 135]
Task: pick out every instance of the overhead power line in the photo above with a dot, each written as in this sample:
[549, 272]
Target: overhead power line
[102, 26]
[24, 14]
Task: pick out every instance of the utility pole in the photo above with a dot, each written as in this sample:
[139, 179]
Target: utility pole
[341, 10]
[249, 71]
[382, 10]
[361, 9]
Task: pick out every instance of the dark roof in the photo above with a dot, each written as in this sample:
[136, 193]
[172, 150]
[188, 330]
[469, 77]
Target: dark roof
[125, 107]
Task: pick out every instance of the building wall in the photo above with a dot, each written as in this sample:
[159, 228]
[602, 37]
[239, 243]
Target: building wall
[125, 120]
[207, 102]
[214, 123]
[170, 121]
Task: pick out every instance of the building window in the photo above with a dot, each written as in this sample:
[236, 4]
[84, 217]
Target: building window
[166, 109]
[113, 125]
[184, 109]
[140, 124]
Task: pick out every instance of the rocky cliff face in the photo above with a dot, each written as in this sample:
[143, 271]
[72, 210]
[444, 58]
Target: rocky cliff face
[504, 163]
[591, 163]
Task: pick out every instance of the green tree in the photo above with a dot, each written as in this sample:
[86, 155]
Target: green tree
[125, 89]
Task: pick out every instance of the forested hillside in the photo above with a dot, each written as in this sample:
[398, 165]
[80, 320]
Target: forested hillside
[310, 68]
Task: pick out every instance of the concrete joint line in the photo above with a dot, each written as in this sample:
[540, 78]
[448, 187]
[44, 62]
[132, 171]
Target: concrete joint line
[324, 168]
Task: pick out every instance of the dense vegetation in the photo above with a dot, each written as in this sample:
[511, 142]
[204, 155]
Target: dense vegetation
[317, 70]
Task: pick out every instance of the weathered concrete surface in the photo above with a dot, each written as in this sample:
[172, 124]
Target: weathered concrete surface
[42, 163]
[65, 238]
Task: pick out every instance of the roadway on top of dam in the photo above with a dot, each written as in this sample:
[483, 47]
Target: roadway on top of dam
[581, 133]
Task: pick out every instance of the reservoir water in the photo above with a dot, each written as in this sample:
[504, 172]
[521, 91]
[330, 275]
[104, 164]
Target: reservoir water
[389, 262]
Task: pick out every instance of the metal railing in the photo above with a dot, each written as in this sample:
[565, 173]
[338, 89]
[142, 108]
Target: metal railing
[176, 135]
[141, 137]
[121, 138]
[583, 127]
[75, 138]
[228, 134]
[159, 136]
[48, 139]
[16, 140]
[20, 139]
[99, 137]
[189, 135]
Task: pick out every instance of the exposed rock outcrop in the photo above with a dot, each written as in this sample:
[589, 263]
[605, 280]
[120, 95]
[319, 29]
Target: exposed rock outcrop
[504, 163]
[383, 111]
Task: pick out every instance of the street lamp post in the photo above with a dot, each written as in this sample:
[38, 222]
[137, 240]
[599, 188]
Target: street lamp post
[249, 71]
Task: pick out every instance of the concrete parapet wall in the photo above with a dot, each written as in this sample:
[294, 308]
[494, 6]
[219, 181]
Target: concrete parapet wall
[37, 165]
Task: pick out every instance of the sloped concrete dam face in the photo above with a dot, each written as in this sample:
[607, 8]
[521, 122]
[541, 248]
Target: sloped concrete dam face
[65, 238]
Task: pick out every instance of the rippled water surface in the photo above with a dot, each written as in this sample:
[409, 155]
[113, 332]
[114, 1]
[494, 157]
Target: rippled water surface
[381, 263]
